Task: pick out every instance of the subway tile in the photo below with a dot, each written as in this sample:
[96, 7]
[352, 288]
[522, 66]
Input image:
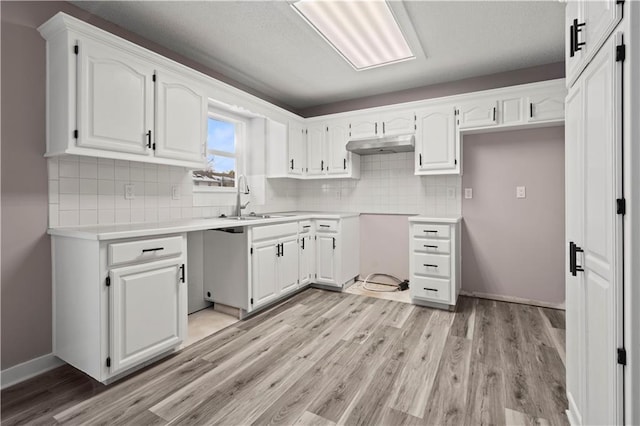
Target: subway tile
[106, 170]
[52, 168]
[88, 202]
[136, 173]
[53, 192]
[88, 186]
[88, 217]
[106, 187]
[137, 215]
[123, 216]
[88, 170]
[106, 202]
[68, 168]
[69, 186]
[150, 215]
[106, 216]
[54, 216]
[69, 202]
[121, 173]
[164, 214]
[69, 218]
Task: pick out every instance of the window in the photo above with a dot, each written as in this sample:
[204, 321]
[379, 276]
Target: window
[224, 138]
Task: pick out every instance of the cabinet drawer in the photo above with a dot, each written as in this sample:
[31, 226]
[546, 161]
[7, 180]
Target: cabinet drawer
[432, 246]
[274, 231]
[324, 225]
[431, 230]
[430, 288]
[143, 250]
[438, 265]
[304, 226]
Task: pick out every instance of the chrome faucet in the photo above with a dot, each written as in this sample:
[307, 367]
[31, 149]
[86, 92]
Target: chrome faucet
[239, 206]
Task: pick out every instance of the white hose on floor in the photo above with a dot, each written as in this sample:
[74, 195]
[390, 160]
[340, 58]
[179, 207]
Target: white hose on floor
[395, 286]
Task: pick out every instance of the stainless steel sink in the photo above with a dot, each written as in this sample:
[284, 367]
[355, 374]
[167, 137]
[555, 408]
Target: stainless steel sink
[252, 217]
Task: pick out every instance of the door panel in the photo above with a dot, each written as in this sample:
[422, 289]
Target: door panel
[307, 260]
[436, 137]
[545, 107]
[288, 274]
[264, 278]
[147, 311]
[364, 127]
[326, 259]
[478, 114]
[297, 150]
[115, 100]
[398, 124]
[316, 150]
[337, 142]
[181, 125]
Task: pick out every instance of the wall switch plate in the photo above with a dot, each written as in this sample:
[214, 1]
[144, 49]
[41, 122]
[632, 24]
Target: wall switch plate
[129, 191]
[468, 193]
[175, 192]
[451, 193]
[521, 192]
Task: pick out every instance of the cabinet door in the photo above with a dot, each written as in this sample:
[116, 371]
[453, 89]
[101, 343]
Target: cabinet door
[338, 136]
[436, 140]
[181, 121]
[600, 19]
[307, 259]
[297, 147]
[364, 127]
[326, 259]
[264, 275]
[316, 137]
[400, 123]
[545, 107]
[573, 58]
[148, 312]
[480, 113]
[288, 274]
[115, 100]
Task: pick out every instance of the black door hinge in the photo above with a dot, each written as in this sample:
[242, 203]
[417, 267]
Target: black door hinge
[621, 206]
[108, 361]
[108, 282]
[252, 300]
[622, 356]
[75, 134]
[154, 77]
[153, 146]
[455, 162]
[621, 52]
[182, 277]
[76, 49]
[251, 250]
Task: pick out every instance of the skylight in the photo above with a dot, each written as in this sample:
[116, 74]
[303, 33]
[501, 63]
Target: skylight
[364, 33]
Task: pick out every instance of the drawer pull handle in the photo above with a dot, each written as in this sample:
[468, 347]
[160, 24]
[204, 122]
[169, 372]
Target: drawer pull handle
[153, 249]
[430, 265]
[307, 226]
[428, 246]
[430, 231]
[325, 226]
[431, 289]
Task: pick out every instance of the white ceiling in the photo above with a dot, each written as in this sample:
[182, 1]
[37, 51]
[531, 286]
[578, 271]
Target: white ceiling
[268, 47]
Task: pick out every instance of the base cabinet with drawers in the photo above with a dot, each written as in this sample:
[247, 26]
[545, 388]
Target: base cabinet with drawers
[118, 304]
[434, 261]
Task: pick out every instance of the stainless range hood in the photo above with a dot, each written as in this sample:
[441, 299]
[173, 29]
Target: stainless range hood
[384, 145]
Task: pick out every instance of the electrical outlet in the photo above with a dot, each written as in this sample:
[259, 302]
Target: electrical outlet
[451, 193]
[129, 191]
[468, 193]
[521, 192]
[175, 192]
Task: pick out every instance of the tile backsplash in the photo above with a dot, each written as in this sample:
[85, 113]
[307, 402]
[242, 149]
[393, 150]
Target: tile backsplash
[90, 191]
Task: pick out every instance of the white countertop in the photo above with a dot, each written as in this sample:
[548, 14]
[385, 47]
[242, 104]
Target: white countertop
[436, 219]
[112, 232]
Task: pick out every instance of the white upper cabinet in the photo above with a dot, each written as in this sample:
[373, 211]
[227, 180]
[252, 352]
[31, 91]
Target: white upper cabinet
[338, 157]
[398, 123]
[115, 100]
[545, 107]
[436, 141]
[479, 113]
[588, 25]
[316, 141]
[181, 120]
[364, 127]
[297, 147]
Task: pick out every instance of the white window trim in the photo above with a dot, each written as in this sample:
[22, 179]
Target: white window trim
[241, 124]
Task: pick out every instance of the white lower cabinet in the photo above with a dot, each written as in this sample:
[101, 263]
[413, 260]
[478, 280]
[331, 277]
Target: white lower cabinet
[118, 304]
[326, 259]
[337, 247]
[307, 253]
[264, 272]
[434, 261]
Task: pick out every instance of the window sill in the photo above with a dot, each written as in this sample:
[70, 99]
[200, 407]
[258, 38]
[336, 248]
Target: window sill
[214, 189]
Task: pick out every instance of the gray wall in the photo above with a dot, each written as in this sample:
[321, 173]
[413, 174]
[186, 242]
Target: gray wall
[514, 247]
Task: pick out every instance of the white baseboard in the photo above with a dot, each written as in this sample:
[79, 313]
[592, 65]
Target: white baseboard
[513, 299]
[26, 370]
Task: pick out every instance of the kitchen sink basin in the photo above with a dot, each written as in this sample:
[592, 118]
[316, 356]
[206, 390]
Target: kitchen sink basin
[253, 217]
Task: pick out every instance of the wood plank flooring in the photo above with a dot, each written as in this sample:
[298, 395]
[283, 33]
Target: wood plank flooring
[324, 358]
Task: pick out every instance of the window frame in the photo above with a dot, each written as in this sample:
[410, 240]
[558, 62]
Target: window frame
[240, 123]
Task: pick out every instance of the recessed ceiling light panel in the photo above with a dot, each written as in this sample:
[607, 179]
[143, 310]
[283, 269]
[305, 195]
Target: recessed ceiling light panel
[364, 32]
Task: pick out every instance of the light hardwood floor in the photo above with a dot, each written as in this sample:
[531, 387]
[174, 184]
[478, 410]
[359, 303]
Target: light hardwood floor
[324, 358]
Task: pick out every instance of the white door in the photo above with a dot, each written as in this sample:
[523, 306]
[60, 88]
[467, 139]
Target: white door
[436, 140]
[297, 161]
[316, 138]
[115, 100]
[288, 274]
[181, 120]
[148, 311]
[545, 107]
[338, 136]
[575, 333]
[264, 272]
[400, 123]
[307, 259]
[602, 238]
[364, 127]
[326, 259]
[600, 19]
[480, 113]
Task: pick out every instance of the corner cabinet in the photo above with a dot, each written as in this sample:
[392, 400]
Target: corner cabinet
[109, 98]
[434, 261]
[118, 304]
